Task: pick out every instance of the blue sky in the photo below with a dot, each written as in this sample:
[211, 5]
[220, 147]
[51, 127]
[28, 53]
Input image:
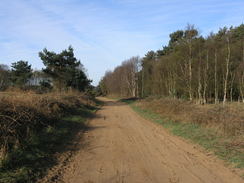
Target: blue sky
[104, 32]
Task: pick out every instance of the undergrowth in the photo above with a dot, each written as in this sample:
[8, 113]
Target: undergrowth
[28, 160]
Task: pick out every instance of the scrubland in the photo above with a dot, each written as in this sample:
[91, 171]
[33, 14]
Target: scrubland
[33, 127]
[227, 119]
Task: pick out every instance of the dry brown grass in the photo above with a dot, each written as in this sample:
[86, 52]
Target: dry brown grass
[24, 113]
[227, 119]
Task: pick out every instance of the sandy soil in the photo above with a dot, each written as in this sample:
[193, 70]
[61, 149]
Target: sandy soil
[122, 147]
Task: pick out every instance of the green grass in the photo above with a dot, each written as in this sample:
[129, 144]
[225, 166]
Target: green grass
[26, 164]
[206, 137]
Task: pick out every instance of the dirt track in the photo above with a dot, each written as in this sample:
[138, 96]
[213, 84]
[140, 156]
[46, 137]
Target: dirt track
[122, 147]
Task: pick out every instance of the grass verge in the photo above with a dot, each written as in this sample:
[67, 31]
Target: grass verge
[206, 137]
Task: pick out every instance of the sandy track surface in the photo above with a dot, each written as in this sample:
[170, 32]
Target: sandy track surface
[122, 147]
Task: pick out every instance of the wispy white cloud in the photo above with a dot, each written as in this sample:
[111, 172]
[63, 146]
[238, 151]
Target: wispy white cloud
[103, 33]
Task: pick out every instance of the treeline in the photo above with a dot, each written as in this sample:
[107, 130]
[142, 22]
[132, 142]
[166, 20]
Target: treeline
[62, 72]
[205, 69]
[123, 81]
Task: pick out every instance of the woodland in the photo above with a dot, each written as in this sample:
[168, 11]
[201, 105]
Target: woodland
[206, 69]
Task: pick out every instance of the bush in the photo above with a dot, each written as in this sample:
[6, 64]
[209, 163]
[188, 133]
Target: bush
[34, 127]
[22, 114]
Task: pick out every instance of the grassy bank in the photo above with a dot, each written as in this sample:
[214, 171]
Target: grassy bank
[226, 146]
[34, 128]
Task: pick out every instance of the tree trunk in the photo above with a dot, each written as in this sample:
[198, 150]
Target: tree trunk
[142, 84]
[242, 75]
[241, 87]
[205, 80]
[231, 87]
[199, 81]
[216, 100]
[190, 72]
[227, 71]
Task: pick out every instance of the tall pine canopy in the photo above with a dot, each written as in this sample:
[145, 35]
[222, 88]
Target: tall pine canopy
[21, 72]
[64, 69]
